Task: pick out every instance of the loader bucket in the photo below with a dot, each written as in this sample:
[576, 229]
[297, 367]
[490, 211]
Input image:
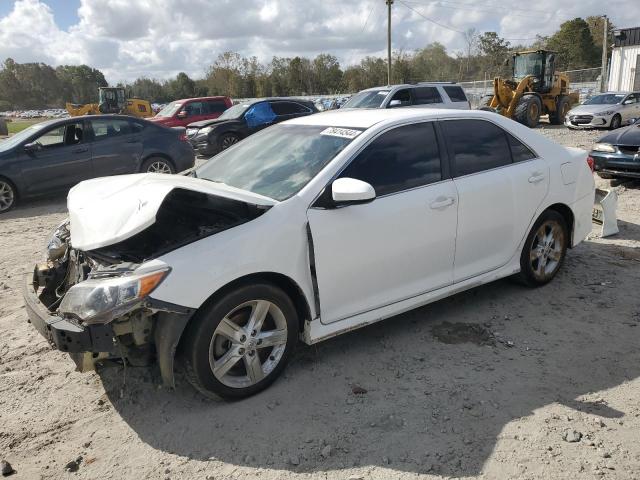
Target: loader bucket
[604, 212]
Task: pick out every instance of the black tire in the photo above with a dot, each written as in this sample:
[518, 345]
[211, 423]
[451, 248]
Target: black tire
[562, 108]
[616, 121]
[157, 165]
[227, 140]
[202, 342]
[8, 195]
[528, 111]
[532, 272]
[485, 103]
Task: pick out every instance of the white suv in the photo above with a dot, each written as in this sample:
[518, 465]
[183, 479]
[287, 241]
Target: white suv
[430, 95]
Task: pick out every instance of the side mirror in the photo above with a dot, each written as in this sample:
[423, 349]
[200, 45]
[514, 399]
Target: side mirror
[183, 114]
[394, 103]
[32, 147]
[350, 191]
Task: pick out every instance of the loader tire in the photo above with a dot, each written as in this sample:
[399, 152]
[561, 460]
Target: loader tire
[528, 111]
[562, 108]
[485, 103]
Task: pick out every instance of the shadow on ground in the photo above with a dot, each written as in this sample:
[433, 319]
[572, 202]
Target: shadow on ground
[37, 207]
[430, 406]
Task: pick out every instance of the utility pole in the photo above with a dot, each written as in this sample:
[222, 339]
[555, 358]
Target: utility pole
[389, 3]
[605, 37]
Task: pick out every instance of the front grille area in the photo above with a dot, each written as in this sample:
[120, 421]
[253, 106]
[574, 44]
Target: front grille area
[628, 150]
[580, 119]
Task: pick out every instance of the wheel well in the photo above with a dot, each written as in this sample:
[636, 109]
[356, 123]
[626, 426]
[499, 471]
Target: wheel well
[290, 287]
[567, 214]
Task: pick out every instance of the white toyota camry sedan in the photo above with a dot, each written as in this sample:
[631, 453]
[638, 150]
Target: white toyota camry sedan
[305, 230]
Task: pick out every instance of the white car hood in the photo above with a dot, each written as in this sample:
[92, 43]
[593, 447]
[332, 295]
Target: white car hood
[592, 109]
[104, 211]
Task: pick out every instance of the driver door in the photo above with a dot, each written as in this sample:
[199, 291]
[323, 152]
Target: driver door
[399, 245]
[62, 160]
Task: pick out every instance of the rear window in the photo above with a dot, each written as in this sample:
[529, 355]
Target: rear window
[456, 94]
[426, 95]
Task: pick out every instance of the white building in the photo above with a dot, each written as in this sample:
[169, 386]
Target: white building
[624, 73]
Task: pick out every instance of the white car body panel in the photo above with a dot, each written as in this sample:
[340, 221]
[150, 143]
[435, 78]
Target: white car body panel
[362, 275]
[104, 211]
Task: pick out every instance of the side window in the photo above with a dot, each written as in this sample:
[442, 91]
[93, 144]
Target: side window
[456, 94]
[110, 128]
[519, 151]
[214, 106]
[404, 96]
[259, 114]
[426, 95]
[477, 145]
[288, 108]
[70, 134]
[193, 108]
[403, 158]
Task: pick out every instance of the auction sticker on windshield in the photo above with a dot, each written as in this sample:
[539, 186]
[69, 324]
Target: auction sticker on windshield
[341, 132]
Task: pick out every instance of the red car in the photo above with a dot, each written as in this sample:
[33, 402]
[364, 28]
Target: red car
[180, 113]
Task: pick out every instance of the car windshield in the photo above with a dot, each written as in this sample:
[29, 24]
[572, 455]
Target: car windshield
[234, 112]
[278, 161]
[606, 99]
[11, 142]
[169, 110]
[369, 99]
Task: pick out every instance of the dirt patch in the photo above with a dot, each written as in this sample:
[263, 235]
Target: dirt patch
[454, 333]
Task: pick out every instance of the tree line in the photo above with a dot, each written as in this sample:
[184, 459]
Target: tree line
[37, 85]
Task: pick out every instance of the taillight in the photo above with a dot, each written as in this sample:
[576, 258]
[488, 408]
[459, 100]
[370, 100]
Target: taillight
[591, 162]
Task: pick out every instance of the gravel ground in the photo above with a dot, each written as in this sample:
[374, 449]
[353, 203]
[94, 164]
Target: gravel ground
[500, 382]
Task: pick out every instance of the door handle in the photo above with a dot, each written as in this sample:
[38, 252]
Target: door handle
[80, 150]
[442, 202]
[536, 177]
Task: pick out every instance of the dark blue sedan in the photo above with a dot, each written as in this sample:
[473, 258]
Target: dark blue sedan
[53, 156]
[617, 154]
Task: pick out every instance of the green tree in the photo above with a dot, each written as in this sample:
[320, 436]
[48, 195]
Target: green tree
[181, 87]
[575, 46]
[495, 50]
[80, 83]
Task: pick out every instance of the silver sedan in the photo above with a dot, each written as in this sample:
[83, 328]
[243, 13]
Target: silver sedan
[610, 109]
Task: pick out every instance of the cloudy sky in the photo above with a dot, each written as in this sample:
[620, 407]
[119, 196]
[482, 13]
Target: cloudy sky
[159, 38]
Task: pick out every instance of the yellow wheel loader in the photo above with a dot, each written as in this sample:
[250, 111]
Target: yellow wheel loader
[112, 100]
[536, 89]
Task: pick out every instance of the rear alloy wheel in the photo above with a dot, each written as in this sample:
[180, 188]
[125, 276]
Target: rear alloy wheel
[544, 249]
[239, 345]
[616, 121]
[227, 140]
[157, 165]
[7, 196]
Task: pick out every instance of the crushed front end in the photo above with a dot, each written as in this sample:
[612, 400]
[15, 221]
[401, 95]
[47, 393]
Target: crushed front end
[97, 307]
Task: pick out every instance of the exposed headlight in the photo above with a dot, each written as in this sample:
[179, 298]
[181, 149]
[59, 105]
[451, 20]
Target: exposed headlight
[205, 130]
[191, 132]
[101, 300]
[604, 147]
[57, 243]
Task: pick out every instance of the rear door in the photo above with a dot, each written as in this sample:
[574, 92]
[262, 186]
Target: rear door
[213, 108]
[500, 183]
[116, 146]
[457, 98]
[63, 160]
[287, 110]
[427, 97]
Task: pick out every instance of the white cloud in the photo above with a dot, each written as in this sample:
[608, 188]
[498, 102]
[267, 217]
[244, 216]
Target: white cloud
[159, 38]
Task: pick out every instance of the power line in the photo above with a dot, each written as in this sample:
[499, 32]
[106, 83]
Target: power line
[373, 7]
[455, 6]
[429, 19]
[485, 4]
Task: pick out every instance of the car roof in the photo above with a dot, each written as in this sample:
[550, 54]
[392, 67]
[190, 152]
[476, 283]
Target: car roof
[198, 99]
[367, 117]
[410, 85]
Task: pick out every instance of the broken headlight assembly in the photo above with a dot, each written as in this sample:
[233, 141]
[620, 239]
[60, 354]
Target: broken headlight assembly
[604, 147]
[100, 300]
[58, 241]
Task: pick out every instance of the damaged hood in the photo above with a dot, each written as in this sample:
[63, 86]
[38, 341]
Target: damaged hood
[105, 211]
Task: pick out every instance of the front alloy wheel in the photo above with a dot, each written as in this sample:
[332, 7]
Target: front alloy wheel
[7, 196]
[239, 344]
